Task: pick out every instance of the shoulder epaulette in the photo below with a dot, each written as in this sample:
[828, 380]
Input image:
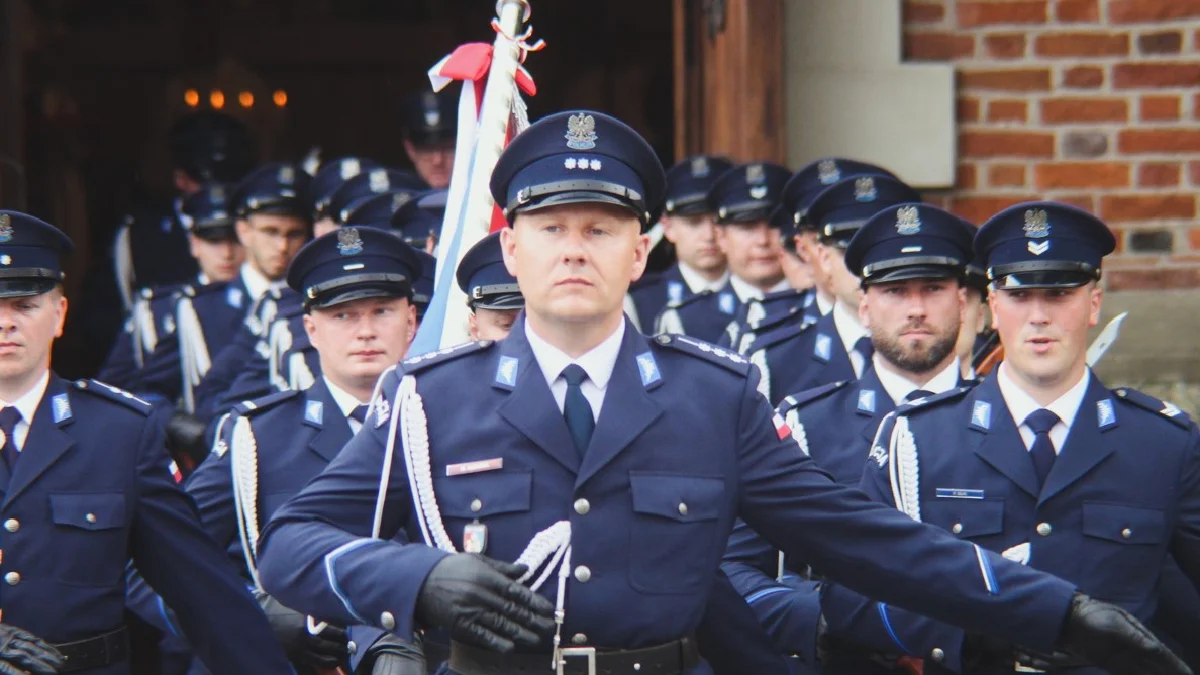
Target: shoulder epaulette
[809, 395]
[1148, 402]
[708, 352]
[107, 391]
[424, 361]
[931, 401]
[255, 406]
[195, 289]
[771, 338]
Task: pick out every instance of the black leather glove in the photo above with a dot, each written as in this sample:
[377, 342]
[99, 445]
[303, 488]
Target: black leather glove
[22, 653]
[478, 601]
[327, 650]
[392, 656]
[1110, 638]
[186, 436]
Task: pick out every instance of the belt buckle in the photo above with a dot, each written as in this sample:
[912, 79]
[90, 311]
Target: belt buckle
[1020, 668]
[564, 652]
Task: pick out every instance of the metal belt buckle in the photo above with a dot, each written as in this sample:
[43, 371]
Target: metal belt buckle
[1018, 667]
[587, 652]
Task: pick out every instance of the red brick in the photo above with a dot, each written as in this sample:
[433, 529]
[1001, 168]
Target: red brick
[967, 110]
[1134, 141]
[937, 46]
[1083, 77]
[1196, 106]
[1061, 175]
[1147, 75]
[979, 209]
[1030, 79]
[1006, 175]
[1160, 108]
[1151, 280]
[1147, 207]
[1151, 11]
[1159, 174]
[1077, 11]
[1076, 110]
[1194, 238]
[1194, 173]
[1082, 44]
[965, 177]
[923, 12]
[1005, 45]
[976, 14]
[1005, 144]
[1085, 202]
[1118, 234]
[1007, 111]
[1167, 42]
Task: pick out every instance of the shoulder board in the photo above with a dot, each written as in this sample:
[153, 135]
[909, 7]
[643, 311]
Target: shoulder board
[809, 395]
[723, 357]
[1154, 405]
[195, 289]
[255, 406]
[107, 391]
[931, 401]
[424, 361]
[693, 299]
[786, 332]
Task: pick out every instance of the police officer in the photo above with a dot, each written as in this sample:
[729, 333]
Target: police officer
[492, 292]
[430, 128]
[975, 331]
[361, 188]
[687, 222]
[328, 178]
[743, 197]
[585, 454]
[1040, 461]
[87, 489]
[419, 220]
[912, 260]
[836, 347]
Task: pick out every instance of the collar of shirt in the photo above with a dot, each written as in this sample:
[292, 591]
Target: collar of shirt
[598, 363]
[345, 401]
[256, 283]
[824, 304]
[899, 387]
[696, 282]
[27, 404]
[1020, 404]
[850, 330]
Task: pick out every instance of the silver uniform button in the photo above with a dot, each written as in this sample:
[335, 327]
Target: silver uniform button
[957, 529]
[91, 518]
[12, 524]
[1044, 529]
[582, 574]
[12, 578]
[682, 509]
[1126, 533]
[476, 505]
[937, 655]
[387, 620]
[582, 506]
[579, 639]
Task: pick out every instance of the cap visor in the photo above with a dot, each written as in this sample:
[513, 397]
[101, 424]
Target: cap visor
[578, 197]
[23, 288]
[501, 301]
[914, 272]
[1042, 279]
[337, 297]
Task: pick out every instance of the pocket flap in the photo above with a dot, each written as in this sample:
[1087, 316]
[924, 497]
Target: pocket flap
[678, 497]
[484, 494]
[1123, 524]
[966, 517]
[89, 512]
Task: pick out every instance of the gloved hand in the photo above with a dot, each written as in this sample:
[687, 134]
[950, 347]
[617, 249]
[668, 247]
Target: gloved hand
[22, 653]
[478, 601]
[392, 656]
[1110, 638]
[327, 650]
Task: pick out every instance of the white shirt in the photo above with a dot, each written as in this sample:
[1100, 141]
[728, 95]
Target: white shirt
[27, 404]
[256, 282]
[824, 304]
[899, 387]
[850, 330]
[747, 291]
[597, 363]
[696, 281]
[1020, 404]
[346, 403]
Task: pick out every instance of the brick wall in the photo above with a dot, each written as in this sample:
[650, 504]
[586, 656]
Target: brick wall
[1092, 102]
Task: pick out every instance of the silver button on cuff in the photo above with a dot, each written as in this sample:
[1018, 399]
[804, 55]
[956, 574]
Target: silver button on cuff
[583, 574]
[387, 621]
[1044, 529]
[12, 578]
[12, 524]
[476, 505]
[957, 529]
[582, 506]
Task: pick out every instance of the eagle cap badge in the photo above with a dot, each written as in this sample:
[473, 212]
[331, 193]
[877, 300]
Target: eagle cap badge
[581, 132]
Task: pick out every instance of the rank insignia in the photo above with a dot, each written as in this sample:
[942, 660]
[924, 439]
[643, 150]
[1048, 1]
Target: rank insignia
[981, 415]
[827, 172]
[506, 371]
[61, 407]
[866, 400]
[822, 346]
[1036, 224]
[6, 228]
[1106, 414]
[864, 189]
[908, 220]
[674, 291]
[1037, 247]
[648, 368]
[699, 167]
[581, 132]
[314, 412]
[349, 241]
[726, 303]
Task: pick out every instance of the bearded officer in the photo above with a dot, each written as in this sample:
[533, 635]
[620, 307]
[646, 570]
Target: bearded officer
[586, 455]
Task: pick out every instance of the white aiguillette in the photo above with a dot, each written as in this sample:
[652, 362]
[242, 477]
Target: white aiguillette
[479, 466]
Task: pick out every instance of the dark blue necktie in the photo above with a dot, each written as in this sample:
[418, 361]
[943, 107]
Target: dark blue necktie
[360, 413]
[1042, 451]
[916, 394]
[576, 409]
[866, 349]
[9, 417]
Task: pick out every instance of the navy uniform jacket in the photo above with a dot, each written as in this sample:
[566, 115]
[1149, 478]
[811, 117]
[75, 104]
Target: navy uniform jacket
[799, 357]
[1124, 491]
[151, 320]
[760, 314]
[655, 522]
[703, 316]
[154, 243]
[267, 375]
[91, 492]
[654, 292]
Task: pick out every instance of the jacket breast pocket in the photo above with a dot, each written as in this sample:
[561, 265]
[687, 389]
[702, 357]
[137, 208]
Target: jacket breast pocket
[674, 531]
[500, 500]
[89, 535]
[965, 518]
[1119, 538]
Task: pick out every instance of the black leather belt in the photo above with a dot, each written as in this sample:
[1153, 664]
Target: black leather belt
[95, 652]
[672, 658]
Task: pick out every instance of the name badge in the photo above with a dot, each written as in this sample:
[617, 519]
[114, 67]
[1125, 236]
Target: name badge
[959, 493]
[480, 466]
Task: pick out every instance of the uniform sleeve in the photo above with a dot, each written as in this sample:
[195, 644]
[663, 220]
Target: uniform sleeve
[227, 364]
[880, 552]
[214, 607]
[732, 640]
[317, 555]
[211, 487]
[161, 375]
[1185, 543]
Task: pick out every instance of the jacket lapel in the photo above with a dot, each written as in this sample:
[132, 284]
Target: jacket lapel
[1084, 448]
[996, 439]
[871, 403]
[46, 442]
[332, 430]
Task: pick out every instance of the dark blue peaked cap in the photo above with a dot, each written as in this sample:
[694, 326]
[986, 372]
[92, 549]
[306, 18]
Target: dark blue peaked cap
[278, 188]
[846, 205]
[366, 185]
[351, 263]
[329, 178]
[205, 213]
[415, 222]
[910, 241]
[377, 211]
[579, 156]
[1043, 245]
[747, 192]
[485, 280]
[30, 255]
[423, 288]
[804, 185]
[689, 181]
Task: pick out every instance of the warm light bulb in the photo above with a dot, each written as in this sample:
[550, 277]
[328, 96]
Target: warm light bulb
[246, 99]
[217, 99]
[281, 98]
[191, 97]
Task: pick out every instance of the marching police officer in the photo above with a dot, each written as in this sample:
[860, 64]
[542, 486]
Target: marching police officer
[492, 292]
[326, 181]
[586, 455]
[87, 489]
[430, 128]
[687, 223]
[1040, 461]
